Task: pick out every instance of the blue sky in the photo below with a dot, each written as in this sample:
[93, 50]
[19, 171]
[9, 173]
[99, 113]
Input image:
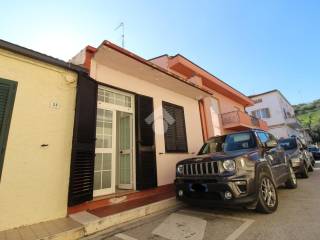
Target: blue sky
[254, 46]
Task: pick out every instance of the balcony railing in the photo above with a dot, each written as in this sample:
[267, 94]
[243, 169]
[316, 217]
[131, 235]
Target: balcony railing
[293, 122]
[238, 120]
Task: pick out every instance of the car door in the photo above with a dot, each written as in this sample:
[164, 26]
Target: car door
[271, 155]
[281, 161]
[303, 154]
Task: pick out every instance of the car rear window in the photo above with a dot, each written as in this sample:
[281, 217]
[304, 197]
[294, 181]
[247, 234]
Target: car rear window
[288, 144]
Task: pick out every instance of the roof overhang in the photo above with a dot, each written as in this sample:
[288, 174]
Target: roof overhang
[39, 56]
[122, 60]
[188, 68]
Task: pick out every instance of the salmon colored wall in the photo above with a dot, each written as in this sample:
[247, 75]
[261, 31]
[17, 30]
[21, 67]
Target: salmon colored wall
[226, 104]
[166, 162]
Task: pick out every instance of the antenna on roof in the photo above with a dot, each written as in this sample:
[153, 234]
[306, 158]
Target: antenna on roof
[121, 25]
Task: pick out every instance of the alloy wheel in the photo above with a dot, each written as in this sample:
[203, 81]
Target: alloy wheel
[268, 192]
[293, 176]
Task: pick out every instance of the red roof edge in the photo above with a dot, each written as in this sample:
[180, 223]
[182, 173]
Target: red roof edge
[90, 51]
[150, 64]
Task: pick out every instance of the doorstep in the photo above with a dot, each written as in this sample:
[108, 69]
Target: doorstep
[144, 196]
[100, 214]
[101, 219]
[59, 229]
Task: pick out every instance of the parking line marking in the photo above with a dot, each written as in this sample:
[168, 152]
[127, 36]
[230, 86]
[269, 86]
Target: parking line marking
[240, 230]
[124, 236]
[236, 234]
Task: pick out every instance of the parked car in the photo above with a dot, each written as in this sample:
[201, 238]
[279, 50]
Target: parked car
[243, 168]
[315, 151]
[298, 155]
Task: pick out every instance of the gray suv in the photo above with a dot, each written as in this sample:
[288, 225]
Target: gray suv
[243, 168]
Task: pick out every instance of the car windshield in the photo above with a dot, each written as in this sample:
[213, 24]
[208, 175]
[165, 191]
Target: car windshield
[288, 144]
[313, 149]
[228, 143]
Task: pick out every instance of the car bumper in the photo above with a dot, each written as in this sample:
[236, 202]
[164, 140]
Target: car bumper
[316, 156]
[213, 193]
[297, 167]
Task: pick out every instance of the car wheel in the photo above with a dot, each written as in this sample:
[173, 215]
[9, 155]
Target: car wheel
[304, 172]
[267, 195]
[292, 180]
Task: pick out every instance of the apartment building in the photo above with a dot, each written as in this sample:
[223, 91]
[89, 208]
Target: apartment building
[276, 110]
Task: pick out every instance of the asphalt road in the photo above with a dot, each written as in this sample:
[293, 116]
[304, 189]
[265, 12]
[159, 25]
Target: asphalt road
[297, 217]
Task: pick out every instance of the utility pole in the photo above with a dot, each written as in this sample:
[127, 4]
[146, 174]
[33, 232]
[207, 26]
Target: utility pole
[121, 25]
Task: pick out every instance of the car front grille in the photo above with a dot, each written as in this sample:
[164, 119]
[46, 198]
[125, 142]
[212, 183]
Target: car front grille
[200, 169]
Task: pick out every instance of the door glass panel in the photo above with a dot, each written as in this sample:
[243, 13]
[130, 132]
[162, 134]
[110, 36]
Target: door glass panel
[125, 170]
[98, 162]
[106, 179]
[119, 99]
[97, 181]
[99, 141]
[103, 159]
[107, 141]
[125, 133]
[107, 161]
[99, 127]
[125, 150]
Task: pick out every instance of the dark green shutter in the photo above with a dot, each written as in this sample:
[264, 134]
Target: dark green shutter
[7, 96]
[146, 166]
[83, 149]
[175, 134]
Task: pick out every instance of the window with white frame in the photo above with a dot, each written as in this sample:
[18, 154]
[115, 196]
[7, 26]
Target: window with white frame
[261, 113]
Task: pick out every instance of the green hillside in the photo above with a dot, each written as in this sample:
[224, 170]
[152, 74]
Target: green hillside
[309, 116]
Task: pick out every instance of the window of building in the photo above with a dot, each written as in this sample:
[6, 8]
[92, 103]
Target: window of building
[174, 128]
[261, 113]
[7, 96]
[258, 100]
[285, 114]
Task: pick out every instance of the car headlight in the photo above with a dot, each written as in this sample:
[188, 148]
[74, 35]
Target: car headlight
[180, 169]
[295, 160]
[229, 165]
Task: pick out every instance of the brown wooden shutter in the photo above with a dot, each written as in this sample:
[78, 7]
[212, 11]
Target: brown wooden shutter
[175, 136]
[7, 96]
[83, 150]
[146, 166]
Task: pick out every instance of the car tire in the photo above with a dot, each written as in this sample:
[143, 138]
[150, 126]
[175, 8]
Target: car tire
[304, 173]
[267, 195]
[292, 180]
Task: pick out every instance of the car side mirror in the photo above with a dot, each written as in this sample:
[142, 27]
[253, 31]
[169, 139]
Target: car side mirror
[271, 144]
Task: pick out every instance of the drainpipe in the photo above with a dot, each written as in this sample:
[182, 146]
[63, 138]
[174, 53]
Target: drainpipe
[203, 120]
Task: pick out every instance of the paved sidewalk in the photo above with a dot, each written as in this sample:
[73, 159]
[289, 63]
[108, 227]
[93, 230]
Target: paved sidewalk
[85, 223]
[63, 228]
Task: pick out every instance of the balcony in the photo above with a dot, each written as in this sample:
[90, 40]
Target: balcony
[293, 122]
[238, 121]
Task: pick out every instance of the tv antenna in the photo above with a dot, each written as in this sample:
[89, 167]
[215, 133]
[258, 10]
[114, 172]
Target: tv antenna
[121, 25]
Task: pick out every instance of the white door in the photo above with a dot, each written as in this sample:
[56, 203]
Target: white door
[104, 169]
[114, 141]
[125, 151]
[214, 109]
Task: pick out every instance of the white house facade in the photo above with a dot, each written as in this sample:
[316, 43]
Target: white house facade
[276, 110]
